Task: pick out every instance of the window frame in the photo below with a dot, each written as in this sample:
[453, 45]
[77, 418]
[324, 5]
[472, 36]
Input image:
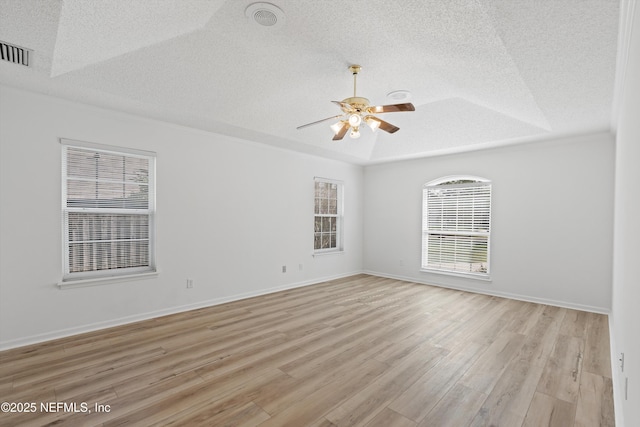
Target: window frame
[99, 276]
[338, 216]
[426, 232]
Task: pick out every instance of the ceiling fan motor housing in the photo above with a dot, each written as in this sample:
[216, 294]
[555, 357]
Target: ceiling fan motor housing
[358, 103]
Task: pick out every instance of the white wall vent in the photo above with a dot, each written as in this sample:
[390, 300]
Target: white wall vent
[15, 54]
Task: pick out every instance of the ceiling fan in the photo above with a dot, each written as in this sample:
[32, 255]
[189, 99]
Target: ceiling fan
[356, 110]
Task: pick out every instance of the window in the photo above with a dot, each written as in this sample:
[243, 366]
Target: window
[327, 236]
[456, 221]
[108, 211]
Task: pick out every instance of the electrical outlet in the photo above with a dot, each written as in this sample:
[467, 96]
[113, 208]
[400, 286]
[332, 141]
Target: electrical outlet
[189, 283]
[284, 268]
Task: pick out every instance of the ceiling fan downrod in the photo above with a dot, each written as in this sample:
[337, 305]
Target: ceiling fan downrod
[355, 69]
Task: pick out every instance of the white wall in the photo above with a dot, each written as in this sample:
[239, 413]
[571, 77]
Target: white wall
[625, 316]
[230, 214]
[552, 219]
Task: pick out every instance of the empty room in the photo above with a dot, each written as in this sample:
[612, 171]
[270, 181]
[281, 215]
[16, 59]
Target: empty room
[330, 213]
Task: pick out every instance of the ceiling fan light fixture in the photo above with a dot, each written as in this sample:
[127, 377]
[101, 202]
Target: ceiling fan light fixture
[355, 120]
[372, 122]
[355, 133]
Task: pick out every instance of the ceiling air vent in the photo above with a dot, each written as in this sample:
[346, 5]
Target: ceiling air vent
[264, 14]
[15, 54]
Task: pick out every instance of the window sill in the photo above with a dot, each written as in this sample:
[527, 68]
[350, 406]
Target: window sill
[483, 277]
[334, 252]
[82, 283]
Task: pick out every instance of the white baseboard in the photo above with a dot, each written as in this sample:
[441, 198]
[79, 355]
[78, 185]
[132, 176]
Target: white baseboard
[526, 298]
[62, 333]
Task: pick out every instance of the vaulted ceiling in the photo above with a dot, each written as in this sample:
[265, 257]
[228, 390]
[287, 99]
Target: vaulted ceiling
[479, 72]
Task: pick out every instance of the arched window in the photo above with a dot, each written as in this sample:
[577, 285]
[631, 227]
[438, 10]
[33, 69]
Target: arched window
[456, 225]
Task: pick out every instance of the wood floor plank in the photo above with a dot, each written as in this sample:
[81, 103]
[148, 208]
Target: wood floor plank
[312, 407]
[361, 408]
[69, 367]
[333, 370]
[389, 418]
[246, 415]
[458, 407]
[561, 375]
[541, 338]
[574, 323]
[192, 400]
[475, 327]
[493, 327]
[528, 316]
[548, 411]
[400, 349]
[419, 398]
[486, 371]
[234, 407]
[359, 350]
[597, 358]
[322, 422]
[511, 396]
[595, 401]
[137, 401]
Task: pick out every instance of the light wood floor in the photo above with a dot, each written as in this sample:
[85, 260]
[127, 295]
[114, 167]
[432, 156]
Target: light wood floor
[357, 351]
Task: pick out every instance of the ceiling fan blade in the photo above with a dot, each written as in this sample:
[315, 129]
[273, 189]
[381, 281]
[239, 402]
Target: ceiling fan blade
[345, 107]
[319, 121]
[342, 132]
[391, 108]
[375, 122]
[388, 127]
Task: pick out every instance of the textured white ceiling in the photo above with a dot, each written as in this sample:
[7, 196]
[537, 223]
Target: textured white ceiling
[480, 71]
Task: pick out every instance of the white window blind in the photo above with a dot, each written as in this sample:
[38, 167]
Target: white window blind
[108, 211]
[456, 226]
[327, 216]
